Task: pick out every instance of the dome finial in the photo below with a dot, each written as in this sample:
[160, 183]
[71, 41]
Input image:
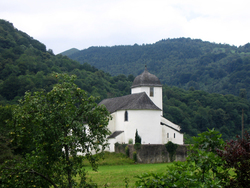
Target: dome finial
[146, 67]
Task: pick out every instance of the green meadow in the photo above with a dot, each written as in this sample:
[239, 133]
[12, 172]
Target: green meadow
[116, 176]
[116, 170]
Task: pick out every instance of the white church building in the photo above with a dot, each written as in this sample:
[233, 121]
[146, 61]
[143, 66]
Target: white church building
[142, 111]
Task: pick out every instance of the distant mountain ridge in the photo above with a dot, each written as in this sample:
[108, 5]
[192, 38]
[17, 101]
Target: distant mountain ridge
[181, 62]
[70, 51]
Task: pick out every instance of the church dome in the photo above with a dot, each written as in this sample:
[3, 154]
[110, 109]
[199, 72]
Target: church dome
[146, 79]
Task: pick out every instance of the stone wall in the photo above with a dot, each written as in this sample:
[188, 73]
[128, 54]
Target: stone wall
[153, 153]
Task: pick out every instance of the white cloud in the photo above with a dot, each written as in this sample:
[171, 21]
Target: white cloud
[63, 24]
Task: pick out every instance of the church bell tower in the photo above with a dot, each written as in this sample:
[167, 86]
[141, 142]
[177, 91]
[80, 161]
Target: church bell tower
[149, 84]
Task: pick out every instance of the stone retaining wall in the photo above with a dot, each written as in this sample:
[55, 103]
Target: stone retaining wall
[153, 153]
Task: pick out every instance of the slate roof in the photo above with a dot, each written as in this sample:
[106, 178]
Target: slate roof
[115, 134]
[146, 79]
[137, 101]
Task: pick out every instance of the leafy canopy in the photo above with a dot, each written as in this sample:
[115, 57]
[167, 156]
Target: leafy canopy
[54, 131]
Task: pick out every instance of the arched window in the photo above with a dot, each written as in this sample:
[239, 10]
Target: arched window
[126, 116]
[174, 135]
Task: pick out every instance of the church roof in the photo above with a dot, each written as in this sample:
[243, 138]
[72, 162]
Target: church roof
[137, 101]
[146, 79]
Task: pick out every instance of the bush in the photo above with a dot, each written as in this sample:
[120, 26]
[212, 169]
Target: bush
[171, 148]
[203, 168]
[237, 155]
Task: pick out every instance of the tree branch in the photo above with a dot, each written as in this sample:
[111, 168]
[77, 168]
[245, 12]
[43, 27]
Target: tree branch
[34, 172]
[46, 178]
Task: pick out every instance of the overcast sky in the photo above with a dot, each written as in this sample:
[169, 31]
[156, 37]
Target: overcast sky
[65, 24]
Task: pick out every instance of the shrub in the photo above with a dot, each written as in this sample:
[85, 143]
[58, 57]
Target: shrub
[203, 168]
[171, 148]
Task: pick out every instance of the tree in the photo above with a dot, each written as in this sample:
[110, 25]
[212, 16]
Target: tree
[5, 150]
[137, 138]
[236, 154]
[243, 93]
[54, 131]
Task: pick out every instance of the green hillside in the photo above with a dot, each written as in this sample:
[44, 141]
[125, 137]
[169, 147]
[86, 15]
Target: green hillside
[26, 65]
[182, 62]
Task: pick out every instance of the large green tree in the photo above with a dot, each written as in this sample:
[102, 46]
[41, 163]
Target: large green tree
[54, 131]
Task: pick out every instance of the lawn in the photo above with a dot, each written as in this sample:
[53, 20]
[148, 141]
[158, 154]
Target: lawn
[115, 167]
[114, 176]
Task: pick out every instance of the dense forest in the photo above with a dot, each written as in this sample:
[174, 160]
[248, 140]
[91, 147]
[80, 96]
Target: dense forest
[26, 65]
[181, 62]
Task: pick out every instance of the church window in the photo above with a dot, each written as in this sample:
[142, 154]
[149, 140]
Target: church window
[167, 135]
[174, 135]
[126, 116]
[151, 91]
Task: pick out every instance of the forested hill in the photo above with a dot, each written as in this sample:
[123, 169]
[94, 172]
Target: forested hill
[26, 65]
[182, 62]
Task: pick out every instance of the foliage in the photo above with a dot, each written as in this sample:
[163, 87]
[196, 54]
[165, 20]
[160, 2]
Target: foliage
[203, 154]
[26, 65]
[195, 111]
[137, 138]
[180, 174]
[236, 154]
[202, 168]
[5, 142]
[51, 130]
[137, 144]
[171, 148]
[181, 62]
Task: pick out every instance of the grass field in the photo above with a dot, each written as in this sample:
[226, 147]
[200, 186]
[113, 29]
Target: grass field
[113, 170]
[114, 176]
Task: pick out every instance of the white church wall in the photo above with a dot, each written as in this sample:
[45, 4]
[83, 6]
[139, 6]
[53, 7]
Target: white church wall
[147, 123]
[111, 125]
[169, 134]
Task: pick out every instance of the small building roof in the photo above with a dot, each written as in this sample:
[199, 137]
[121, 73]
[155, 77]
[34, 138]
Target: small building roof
[146, 79]
[137, 101]
[115, 134]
